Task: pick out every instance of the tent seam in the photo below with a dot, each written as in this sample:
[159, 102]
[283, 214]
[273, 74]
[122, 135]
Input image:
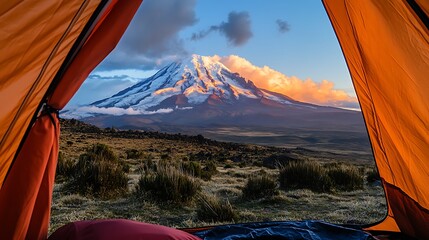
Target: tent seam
[36, 83]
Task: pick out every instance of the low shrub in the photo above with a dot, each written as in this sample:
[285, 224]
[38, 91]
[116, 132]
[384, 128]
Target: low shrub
[260, 186]
[345, 177]
[146, 164]
[65, 167]
[192, 168]
[99, 173]
[372, 176]
[168, 184]
[134, 154]
[304, 174]
[212, 209]
[209, 170]
[102, 152]
[195, 169]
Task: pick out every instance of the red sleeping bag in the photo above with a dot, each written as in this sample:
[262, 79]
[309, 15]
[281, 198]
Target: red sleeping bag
[120, 229]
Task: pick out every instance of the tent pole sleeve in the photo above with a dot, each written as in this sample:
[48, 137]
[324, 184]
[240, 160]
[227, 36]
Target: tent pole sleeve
[27, 192]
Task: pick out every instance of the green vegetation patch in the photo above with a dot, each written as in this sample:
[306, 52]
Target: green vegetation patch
[213, 209]
[345, 177]
[99, 173]
[195, 169]
[305, 175]
[65, 167]
[168, 184]
[320, 178]
[134, 154]
[260, 186]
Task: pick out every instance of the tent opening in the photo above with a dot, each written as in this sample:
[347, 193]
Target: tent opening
[206, 115]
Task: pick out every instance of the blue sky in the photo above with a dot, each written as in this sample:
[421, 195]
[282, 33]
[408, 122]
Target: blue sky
[162, 32]
[308, 49]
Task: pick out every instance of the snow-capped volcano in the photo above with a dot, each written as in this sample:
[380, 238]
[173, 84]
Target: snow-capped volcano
[193, 81]
[201, 92]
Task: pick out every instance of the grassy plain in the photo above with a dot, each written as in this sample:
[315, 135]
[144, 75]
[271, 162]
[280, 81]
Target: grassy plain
[235, 163]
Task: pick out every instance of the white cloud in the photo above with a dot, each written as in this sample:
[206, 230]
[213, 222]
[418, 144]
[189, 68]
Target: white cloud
[89, 111]
[152, 38]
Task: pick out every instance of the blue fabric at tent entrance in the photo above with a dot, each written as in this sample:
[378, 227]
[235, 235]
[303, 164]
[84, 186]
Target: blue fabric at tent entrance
[305, 230]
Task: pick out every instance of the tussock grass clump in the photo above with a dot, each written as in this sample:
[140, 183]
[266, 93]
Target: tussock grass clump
[345, 177]
[260, 186]
[209, 170]
[304, 174]
[192, 168]
[134, 154]
[146, 164]
[168, 184]
[212, 209]
[195, 169]
[318, 178]
[102, 152]
[65, 167]
[99, 173]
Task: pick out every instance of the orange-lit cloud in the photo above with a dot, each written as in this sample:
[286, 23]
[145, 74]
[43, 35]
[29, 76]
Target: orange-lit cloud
[322, 93]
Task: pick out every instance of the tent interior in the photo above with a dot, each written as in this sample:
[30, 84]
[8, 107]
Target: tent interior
[49, 48]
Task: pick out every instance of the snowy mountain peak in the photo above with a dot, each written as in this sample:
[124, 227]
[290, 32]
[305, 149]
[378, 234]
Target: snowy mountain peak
[196, 78]
[186, 84]
[201, 63]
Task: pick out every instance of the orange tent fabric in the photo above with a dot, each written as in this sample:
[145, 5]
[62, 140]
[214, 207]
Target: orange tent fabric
[34, 42]
[25, 197]
[102, 41]
[49, 47]
[386, 46]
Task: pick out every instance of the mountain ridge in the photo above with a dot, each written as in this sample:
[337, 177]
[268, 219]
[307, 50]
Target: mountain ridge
[200, 96]
[196, 78]
[200, 93]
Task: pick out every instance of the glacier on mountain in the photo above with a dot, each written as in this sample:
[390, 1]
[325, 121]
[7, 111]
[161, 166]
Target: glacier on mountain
[193, 80]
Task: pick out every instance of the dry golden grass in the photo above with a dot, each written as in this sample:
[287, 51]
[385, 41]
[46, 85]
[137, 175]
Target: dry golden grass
[356, 207]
